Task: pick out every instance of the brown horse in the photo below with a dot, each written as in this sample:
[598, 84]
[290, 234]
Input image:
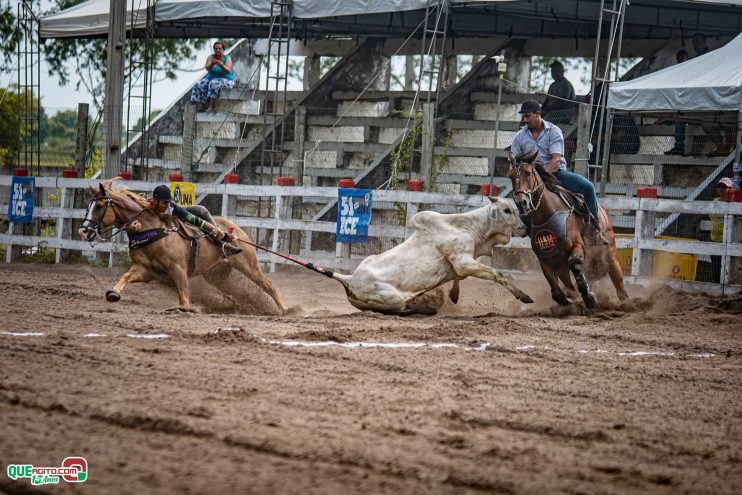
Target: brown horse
[558, 235]
[170, 256]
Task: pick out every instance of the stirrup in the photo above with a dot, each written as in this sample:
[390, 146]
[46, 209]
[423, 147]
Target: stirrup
[597, 234]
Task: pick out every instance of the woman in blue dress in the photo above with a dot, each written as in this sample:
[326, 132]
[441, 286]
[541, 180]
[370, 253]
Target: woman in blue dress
[220, 76]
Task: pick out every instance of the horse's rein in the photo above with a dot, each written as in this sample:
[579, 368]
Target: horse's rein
[529, 194]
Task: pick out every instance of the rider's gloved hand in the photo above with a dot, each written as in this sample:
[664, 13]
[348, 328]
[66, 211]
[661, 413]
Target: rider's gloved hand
[218, 233]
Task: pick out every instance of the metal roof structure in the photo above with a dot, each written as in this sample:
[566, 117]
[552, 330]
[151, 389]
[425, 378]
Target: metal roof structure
[547, 19]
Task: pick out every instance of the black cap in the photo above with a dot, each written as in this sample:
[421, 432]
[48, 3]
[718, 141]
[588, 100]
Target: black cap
[162, 193]
[530, 106]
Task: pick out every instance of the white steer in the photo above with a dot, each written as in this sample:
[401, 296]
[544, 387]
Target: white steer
[443, 248]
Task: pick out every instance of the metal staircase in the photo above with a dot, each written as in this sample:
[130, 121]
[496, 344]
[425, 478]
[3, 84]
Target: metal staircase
[603, 77]
[139, 94]
[272, 153]
[433, 47]
[29, 89]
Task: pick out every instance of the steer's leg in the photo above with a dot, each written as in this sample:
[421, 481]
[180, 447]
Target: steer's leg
[467, 266]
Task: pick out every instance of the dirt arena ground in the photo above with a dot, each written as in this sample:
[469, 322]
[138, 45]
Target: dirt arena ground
[640, 401]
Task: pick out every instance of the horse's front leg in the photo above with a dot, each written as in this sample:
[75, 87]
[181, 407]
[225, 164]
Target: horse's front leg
[575, 265]
[556, 292]
[137, 273]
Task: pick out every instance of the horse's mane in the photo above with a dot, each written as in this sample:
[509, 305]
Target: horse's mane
[551, 182]
[126, 192]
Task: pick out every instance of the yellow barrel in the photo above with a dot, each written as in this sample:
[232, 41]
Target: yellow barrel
[678, 266]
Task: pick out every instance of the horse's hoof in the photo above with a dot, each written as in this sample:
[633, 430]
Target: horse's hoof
[590, 300]
[560, 298]
[113, 295]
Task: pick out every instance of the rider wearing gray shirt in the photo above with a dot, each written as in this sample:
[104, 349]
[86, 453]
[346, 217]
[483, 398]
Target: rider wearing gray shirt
[548, 141]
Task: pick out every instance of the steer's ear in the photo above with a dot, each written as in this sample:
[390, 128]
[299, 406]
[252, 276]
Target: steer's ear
[494, 212]
[493, 199]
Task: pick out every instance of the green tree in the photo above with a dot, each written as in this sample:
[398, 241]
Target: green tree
[83, 61]
[59, 132]
[8, 36]
[11, 133]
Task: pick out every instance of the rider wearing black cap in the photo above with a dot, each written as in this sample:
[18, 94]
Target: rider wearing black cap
[197, 215]
[548, 141]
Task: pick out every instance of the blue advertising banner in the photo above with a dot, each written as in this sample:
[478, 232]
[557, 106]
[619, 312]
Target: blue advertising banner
[20, 209]
[354, 215]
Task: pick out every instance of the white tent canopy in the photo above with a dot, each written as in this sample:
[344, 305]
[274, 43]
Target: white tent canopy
[711, 82]
[91, 17]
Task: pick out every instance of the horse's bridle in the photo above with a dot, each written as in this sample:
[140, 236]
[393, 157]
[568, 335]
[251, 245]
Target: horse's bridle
[529, 206]
[93, 229]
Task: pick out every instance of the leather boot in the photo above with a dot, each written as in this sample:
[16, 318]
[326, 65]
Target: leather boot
[228, 249]
[598, 236]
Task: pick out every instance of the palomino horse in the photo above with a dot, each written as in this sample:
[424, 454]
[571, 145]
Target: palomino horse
[558, 234]
[170, 255]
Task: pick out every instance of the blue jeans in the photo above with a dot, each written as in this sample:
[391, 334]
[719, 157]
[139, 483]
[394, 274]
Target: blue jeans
[579, 184]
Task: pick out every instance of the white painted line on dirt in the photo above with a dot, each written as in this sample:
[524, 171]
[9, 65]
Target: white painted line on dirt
[23, 334]
[375, 345]
[450, 345]
[645, 353]
[148, 335]
[94, 335]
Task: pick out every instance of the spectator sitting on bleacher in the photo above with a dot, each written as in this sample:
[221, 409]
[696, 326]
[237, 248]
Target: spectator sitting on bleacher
[220, 76]
[560, 99]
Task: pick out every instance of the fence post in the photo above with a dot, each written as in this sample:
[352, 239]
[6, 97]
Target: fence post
[641, 264]
[426, 161]
[81, 143]
[278, 238]
[186, 148]
[300, 126]
[64, 224]
[342, 250]
[606, 162]
[582, 155]
[726, 261]
[411, 211]
[731, 267]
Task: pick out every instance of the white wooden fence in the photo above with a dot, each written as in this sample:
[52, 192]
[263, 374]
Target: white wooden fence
[643, 242]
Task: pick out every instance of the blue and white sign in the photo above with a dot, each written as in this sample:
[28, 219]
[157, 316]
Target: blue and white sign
[20, 209]
[354, 215]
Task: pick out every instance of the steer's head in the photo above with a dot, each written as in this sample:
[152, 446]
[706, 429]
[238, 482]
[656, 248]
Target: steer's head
[504, 219]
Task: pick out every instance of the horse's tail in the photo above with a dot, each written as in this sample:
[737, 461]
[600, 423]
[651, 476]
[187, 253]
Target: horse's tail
[343, 279]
